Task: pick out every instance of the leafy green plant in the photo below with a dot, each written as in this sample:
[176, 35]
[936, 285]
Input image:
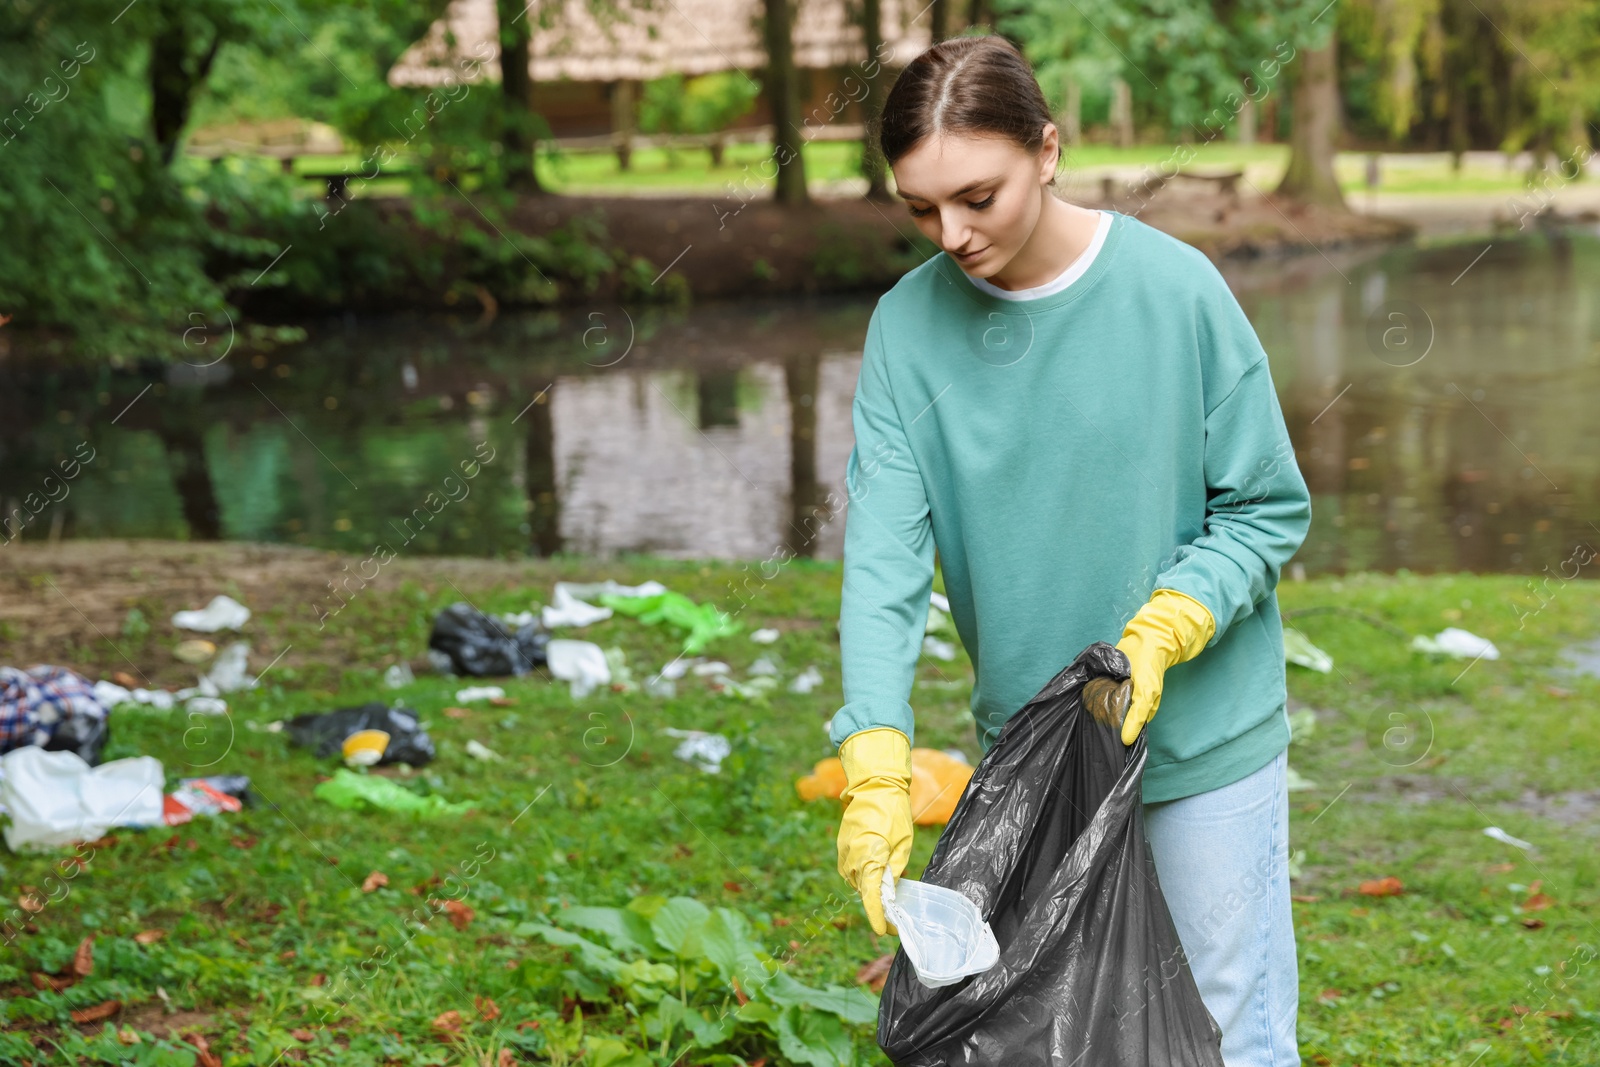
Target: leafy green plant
[695, 980]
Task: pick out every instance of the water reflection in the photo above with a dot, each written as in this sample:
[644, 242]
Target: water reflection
[1439, 401]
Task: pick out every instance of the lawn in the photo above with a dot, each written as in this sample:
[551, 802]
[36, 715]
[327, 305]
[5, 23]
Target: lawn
[298, 930]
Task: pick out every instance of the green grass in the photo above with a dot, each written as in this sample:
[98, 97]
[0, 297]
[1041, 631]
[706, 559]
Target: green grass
[589, 806]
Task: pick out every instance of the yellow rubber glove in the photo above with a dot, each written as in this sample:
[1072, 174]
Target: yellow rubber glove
[1171, 629]
[875, 832]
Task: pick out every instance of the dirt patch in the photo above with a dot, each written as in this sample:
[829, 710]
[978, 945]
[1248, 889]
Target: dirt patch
[69, 603]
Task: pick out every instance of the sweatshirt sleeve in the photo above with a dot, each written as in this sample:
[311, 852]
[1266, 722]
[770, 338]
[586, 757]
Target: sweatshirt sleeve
[1257, 506]
[888, 559]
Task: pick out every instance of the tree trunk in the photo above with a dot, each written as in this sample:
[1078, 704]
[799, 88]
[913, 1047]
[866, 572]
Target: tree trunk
[1072, 116]
[941, 12]
[624, 121]
[801, 372]
[1121, 114]
[174, 77]
[1314, 132]
[191, 478]
[873, 166]
[516, 97]
[783, 94]
[539, 475]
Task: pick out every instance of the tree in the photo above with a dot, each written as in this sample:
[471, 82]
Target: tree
[1314, 129]
[516, 90]
[783, 95]
[875, 76]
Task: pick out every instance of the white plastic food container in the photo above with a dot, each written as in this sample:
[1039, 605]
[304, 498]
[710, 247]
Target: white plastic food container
[943, 933]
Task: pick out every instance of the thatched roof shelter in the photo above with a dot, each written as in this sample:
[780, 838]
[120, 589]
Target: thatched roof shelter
[684, 36]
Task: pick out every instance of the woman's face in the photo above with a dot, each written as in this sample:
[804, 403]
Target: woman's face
[978, 197]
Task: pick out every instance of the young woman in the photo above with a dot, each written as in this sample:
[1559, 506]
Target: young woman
[1073, 408]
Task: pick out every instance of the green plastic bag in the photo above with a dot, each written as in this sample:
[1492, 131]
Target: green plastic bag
[703, 622]
[371, 792]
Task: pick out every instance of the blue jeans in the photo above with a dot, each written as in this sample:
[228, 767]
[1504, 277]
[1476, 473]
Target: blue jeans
[1223, 860]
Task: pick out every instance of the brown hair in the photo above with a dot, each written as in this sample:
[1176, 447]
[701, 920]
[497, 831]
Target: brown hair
[973, 84]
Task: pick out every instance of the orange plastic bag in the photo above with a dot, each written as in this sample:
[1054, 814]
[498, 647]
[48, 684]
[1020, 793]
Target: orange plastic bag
[937, 781]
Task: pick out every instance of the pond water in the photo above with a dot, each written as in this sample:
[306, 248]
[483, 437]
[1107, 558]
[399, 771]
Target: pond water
[1442, 403]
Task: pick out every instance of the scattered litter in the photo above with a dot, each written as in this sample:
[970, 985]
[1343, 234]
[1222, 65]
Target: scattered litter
[206, 706]
[755, 689]
[765, 636]
[398, 676]
[659, 685]
[1296, 782]
[52, 708]
[938, 649]
[111, 695]
[195, 650]
[937, 782]
[1456, 642]
[611, 587]
[806, 680]
[764, 666]
[55, 798]
[479, 692]
[229, 672]
[371, 792]
[702, 623]
[1297, 649]
[680, 666]
[704, 750]
[476, 644]
[479, 750]
[566, 609]
[205, 796]
[715, 667]
[223, 613]
[582, 663]
[403, 741]
[940, 601]
[1506, 839]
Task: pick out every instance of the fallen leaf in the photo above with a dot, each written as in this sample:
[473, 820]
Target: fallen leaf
[503, 702]
[1304, 898]
[104, 1010]
[740, 994]
[1500, 868]
[1381, 887]
[248, 841]
[780, 922]
[203, 1056]
[319, 979]
[529, 1025]
[1533, 924]
[83, 959]
[288, 955]
[30, 901]
[488, 1011]
[127, 1036]
[505, 1059]
[875, 972]
[448, 1022]
[733, 887]
[268, 912]
[375, 881]
[302, 1035]
[51, 982]
[1537, 902]
[460, 914]
[149, 937]
[457, 713]
[126, 680]
[1520, 1009]
[1329, 996]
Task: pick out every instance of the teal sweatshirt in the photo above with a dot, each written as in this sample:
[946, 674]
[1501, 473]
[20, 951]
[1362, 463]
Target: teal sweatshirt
[1067, 455]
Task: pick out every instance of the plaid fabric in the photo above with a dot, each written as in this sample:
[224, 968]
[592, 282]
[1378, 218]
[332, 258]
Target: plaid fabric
[35, 702]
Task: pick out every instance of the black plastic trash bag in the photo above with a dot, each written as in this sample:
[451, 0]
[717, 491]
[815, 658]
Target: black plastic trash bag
[326, 731]
[483, 646]
[1048, 840]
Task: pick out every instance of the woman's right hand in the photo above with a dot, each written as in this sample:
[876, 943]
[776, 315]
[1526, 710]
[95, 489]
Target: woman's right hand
[875, 831]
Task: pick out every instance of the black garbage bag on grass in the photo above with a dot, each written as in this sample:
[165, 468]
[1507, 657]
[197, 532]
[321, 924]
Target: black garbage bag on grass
[483, 646]
[1048, 840]
[325, 731]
